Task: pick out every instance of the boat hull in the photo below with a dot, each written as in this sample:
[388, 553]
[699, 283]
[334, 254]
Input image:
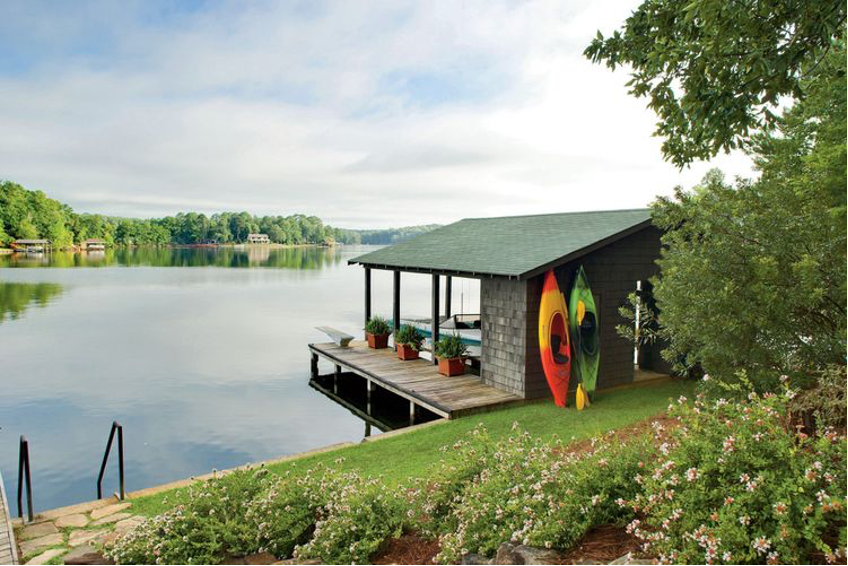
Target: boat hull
[585, 332]
[554, 342]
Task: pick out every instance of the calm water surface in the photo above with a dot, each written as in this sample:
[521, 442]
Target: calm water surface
[199, 353]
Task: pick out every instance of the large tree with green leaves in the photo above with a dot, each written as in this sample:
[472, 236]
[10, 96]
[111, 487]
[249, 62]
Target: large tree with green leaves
[753, 275]
[714, 70]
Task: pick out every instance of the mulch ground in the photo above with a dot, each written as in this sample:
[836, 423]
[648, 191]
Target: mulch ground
[602, 544]
[409, 548]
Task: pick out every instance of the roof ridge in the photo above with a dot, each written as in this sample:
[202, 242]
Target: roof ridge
[574, 213]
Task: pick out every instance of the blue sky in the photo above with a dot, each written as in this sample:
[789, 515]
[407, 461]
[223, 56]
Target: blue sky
[363, 113]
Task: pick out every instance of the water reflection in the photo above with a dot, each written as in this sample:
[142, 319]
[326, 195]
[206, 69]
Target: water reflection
[16, 298]
[305, 257]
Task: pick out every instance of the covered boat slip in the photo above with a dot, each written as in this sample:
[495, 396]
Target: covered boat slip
[417, 381]
[510, 257]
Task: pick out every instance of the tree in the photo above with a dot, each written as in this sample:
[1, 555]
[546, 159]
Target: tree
[714, 69]
[753, 275]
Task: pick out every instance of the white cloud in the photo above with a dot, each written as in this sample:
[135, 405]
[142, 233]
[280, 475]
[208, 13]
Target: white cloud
[363, 114]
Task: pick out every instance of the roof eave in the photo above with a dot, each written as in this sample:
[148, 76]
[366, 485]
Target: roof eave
[430, 270]
[586, 250]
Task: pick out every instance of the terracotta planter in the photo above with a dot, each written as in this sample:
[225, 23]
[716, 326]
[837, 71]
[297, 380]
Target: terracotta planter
[407, 352]
[377, 341]
[452, 366]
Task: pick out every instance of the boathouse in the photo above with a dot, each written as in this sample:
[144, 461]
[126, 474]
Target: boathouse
[94, 245]
[510, 256]
[33, 245]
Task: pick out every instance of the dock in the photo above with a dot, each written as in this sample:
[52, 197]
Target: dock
[8, 548]
[417, 381]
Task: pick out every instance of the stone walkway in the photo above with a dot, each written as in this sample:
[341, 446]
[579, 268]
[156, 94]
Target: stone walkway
[70, 534]
[8, 552]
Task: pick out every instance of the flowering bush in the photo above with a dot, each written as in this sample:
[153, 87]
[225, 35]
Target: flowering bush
[354, 523]
[204, 530]
[735, 485]
[283, 515]
[533, 493]
[337, 518]
[431, 502]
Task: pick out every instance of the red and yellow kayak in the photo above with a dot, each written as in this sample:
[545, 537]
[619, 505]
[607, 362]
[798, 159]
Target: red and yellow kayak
[554, 343]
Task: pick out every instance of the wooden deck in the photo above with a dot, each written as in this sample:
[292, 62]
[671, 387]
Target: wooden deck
[417, 381]
[8, 549]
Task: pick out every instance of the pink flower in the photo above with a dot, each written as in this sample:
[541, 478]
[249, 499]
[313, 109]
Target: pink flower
[692, 474]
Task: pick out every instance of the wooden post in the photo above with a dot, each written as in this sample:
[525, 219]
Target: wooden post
[435, 323]
[367, 294]
[411, 413]
[448, 289]
[369, 389]
[396, 301]
[314, 365]
[336, 375]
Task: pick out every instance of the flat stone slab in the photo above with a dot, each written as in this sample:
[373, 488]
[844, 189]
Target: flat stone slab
[108, 510]
[33, 545]
[83, 536]
[85, 554]
[77, 520]
[125, 525]
[37, 530]
[47, 556]
[71, 509]
[113, 518]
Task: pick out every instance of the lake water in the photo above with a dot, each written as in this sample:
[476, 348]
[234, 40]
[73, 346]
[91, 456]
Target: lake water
[199, 353]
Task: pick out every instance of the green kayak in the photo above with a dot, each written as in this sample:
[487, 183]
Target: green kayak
[583, 320]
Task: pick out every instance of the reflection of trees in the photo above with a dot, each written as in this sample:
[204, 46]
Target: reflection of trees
[15, 298]
[307, 257]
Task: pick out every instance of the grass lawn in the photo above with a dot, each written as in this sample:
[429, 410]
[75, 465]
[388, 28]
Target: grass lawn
[407, 456]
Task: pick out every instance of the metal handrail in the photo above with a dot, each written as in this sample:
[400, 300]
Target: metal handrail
[115, 426]
[23, 464]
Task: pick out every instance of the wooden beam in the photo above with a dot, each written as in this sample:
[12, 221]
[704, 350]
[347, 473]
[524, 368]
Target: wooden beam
[448, 290]
[367, 294]
[435, 323]
[396, 301]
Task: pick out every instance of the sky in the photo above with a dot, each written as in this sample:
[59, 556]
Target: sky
[366, 114]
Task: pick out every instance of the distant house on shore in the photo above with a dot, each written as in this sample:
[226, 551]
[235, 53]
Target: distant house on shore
[94, 245]
[258, 239]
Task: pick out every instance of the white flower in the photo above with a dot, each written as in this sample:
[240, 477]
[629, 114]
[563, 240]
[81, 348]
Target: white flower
[692, 474]
[761, 545]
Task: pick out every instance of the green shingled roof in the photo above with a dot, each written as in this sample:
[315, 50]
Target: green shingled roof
[510, 246]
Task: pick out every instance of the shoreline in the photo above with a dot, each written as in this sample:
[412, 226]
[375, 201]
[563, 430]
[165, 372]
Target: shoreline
[87, 506]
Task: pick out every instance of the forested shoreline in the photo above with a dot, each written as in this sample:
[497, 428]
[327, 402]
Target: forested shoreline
[29, 214]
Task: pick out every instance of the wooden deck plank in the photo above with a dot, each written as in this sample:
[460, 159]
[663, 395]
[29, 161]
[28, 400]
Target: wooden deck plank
[8, 548]
[416, 380]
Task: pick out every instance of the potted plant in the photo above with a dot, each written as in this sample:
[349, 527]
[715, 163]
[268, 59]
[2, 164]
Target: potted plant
[408, 341]
[451, 352]
[377, 332]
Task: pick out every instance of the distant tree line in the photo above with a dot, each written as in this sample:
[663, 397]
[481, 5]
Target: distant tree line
[381, 237]
[26, 214]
